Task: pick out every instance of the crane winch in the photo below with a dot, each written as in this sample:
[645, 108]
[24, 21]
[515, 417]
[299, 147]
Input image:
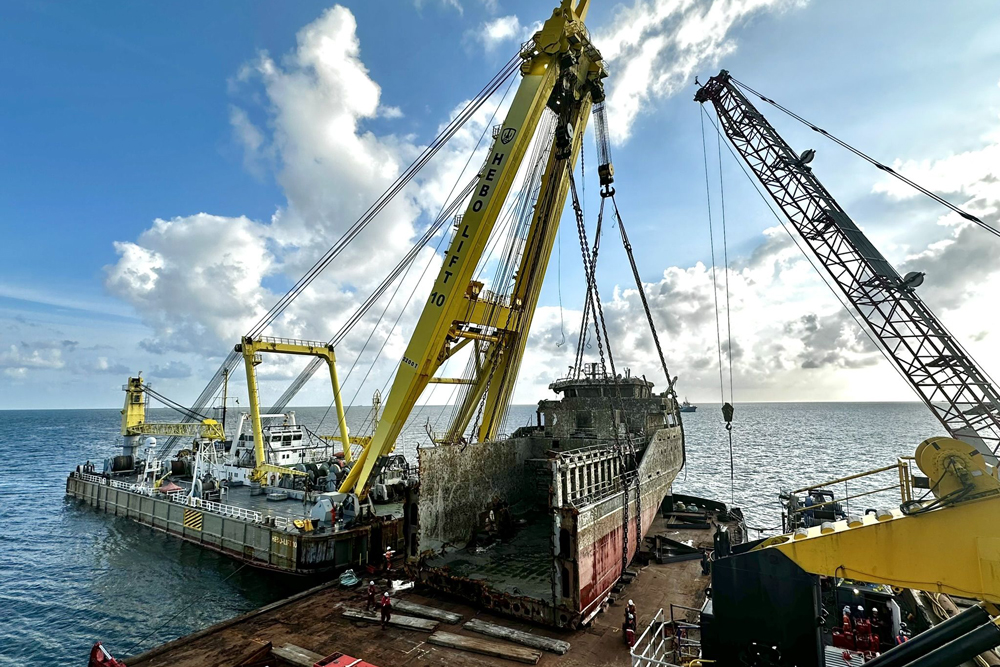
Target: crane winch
[940, 371]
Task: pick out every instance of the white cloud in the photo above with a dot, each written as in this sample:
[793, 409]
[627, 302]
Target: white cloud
[17, 359]
[656, 47]
[499, 31]
[203, 280]
[196, 280]
[390, 112]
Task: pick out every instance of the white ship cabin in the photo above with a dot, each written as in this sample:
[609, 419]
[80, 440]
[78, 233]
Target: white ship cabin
[285, 442]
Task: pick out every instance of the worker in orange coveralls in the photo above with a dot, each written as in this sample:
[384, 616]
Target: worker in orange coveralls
[372, 592]
[388, 560]
[386, 610]
[630, 624]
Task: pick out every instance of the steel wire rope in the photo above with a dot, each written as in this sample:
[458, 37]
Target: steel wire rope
[819, 271]
[446, 212]
[544, 209]
[486, 128]
[429, 152]
[514, 231]
[403, 265]
[456, 123]
[542, 154]
[725, 260]
[727, 416]
[878, 165]
[173, 405]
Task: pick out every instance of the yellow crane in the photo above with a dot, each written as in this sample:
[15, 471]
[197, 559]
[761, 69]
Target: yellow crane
[562, 71]
[251, 349]
[134, 422]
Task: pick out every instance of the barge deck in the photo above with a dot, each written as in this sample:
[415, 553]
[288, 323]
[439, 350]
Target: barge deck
[314, 621]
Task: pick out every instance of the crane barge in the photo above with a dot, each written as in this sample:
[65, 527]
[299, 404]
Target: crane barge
[577, 491]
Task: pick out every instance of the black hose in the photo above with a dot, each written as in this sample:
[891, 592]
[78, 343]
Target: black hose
[941, 634]
[958, 651]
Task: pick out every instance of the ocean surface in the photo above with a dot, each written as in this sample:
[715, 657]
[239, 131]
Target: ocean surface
[70, 576]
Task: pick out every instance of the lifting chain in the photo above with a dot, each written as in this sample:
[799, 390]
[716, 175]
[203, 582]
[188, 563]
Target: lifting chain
[625, 453]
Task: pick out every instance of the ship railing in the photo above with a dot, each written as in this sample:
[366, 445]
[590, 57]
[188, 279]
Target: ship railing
[687, 634]
[603, 490]
[904, 481]
[133, 487]
[293, 341]
[656, 646]
[182, 498]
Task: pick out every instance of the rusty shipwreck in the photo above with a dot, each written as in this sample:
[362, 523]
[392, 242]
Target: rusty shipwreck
[538, 526]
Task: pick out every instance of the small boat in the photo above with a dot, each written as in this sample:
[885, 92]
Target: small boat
[277, 495]
[687, 407]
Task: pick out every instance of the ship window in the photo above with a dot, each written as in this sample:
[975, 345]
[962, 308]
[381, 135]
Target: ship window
[564, 543]
[565, 581]
[584, 419]
[287, 438]
[297, 436]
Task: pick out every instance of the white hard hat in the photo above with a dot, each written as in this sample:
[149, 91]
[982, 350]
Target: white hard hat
[386, 594]
[860, 608]
[630, 602]
[372, 582]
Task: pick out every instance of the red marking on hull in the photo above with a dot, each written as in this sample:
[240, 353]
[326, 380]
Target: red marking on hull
[605, 561]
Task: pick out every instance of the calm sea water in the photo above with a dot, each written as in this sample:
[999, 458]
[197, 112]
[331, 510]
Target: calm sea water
[70, 575]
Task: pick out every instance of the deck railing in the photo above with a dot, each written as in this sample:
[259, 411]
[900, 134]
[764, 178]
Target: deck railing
[182, 498]
[655, 646]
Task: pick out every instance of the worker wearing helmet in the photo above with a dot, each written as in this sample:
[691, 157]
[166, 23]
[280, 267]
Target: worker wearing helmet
[386, 610]
[372, 592]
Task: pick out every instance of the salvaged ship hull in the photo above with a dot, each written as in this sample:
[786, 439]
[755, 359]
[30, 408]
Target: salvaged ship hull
[535, 526]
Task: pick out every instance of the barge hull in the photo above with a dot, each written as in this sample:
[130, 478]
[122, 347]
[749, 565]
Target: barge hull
[255, 543]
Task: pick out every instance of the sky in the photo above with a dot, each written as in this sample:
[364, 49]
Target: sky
[171, 169]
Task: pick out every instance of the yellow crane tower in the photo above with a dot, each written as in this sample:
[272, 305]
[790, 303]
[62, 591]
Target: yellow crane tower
[561, 71]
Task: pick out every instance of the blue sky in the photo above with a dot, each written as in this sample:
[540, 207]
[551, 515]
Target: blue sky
[119, 114]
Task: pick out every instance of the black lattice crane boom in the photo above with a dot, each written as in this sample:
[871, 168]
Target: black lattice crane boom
[942, 373]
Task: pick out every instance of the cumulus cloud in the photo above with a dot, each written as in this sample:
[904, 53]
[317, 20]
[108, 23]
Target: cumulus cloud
[17, 359]
[501, 31]
[195, 280]
[656, 47]
[201, 281]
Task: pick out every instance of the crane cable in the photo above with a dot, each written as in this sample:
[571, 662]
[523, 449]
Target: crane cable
[470, 109]
[233, 358]
[727, 408]
[878, 165]
[875, 341]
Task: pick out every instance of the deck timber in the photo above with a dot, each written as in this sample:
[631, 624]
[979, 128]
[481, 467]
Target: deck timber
[313, 620]
[259, 543]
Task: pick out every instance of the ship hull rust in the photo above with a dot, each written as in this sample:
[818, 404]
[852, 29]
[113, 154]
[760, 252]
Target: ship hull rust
[535, 526]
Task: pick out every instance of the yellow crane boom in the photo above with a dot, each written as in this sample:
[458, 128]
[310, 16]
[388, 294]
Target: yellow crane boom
[562, 71]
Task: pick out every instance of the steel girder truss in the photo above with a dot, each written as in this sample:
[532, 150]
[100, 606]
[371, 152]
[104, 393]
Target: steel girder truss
[945, 377]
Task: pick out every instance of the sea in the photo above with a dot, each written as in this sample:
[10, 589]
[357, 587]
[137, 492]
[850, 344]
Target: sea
[70, 576]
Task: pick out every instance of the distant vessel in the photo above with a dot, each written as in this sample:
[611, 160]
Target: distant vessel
[687, 407]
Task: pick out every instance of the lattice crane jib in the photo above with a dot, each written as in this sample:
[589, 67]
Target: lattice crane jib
[945, 377]
[562, 71]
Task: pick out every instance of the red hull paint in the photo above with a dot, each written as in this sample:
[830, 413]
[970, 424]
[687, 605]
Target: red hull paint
[605, 562]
